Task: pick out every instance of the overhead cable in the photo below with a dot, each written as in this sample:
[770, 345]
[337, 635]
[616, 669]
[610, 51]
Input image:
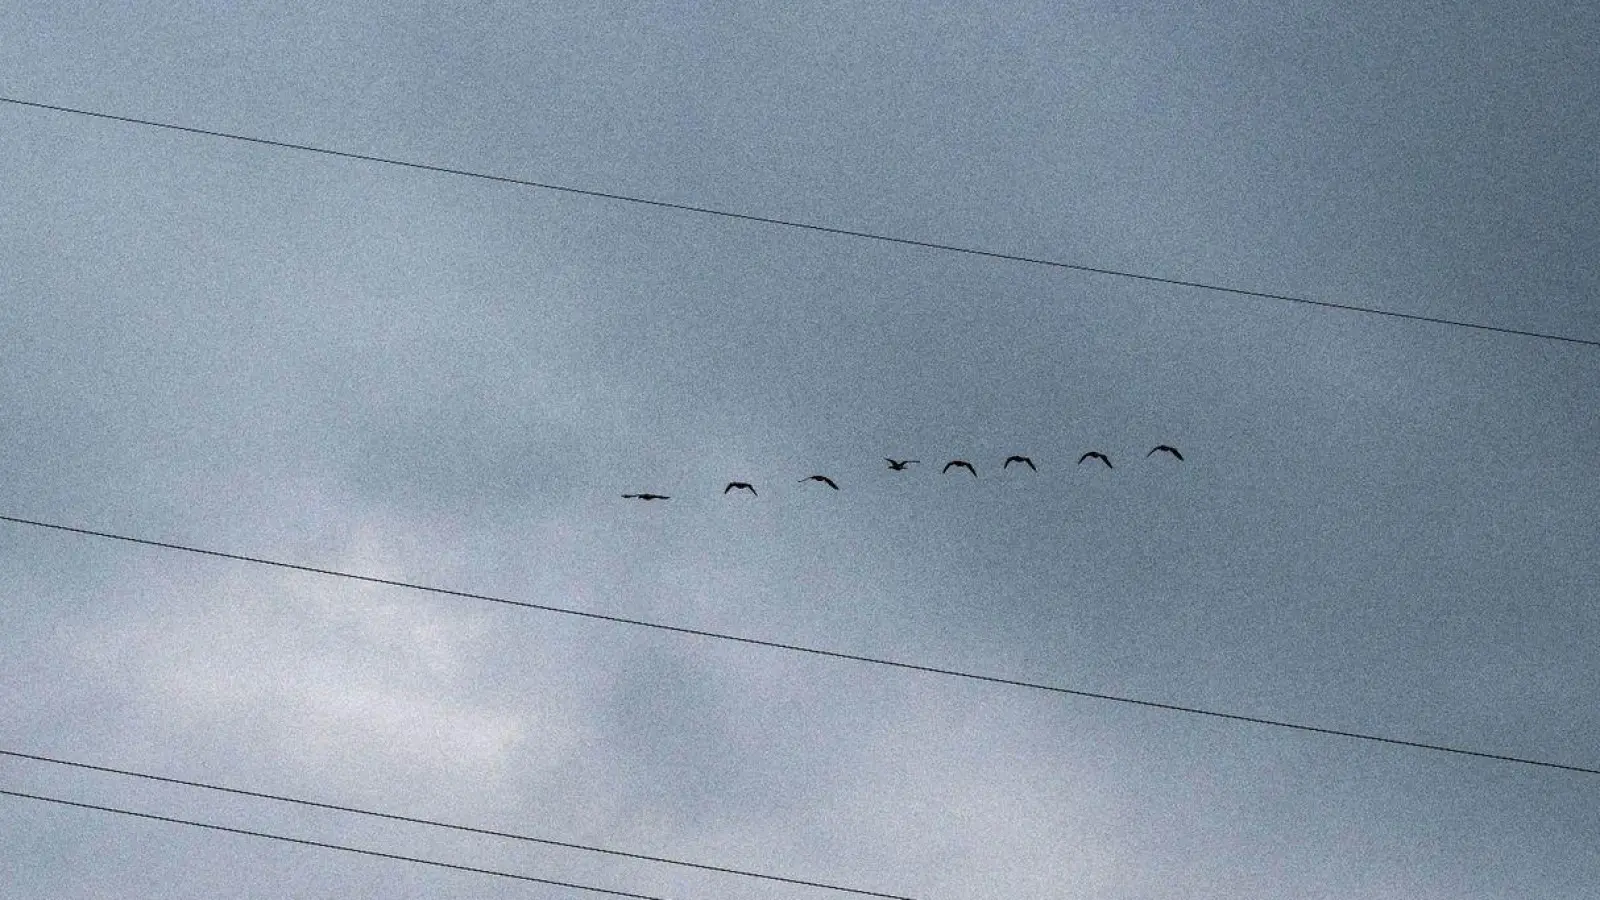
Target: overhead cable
[487, 832]
[814, 651]
[327, 846]
[791, 223]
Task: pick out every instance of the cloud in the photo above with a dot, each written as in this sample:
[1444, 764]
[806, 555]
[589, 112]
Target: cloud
[349, 685]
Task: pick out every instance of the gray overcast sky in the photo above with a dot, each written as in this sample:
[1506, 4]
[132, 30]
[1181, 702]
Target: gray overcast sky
[1380, 526]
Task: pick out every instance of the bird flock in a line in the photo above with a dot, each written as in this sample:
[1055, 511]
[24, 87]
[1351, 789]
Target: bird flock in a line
[899, 465]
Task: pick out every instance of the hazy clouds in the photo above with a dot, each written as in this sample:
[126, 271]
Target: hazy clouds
[1381, 526]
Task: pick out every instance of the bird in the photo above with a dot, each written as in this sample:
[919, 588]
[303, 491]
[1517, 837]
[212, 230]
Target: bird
[822, 478]
[1172, 450]
[1095, 454]
[1019, 459]
[645, 497]
[740, 485]
[899, 464]
[963, 464]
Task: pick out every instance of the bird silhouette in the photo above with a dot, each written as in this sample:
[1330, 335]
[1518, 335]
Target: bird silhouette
[645, 497]
[961, 463]
[1164, 447]
[1095, 454]
[740, 485]
[899, 464]
[1019, 459]
[822, 478]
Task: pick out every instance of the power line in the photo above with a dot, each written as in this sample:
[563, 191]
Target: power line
[327, 846]
[463, 828]
[790, 223]
[814, 651]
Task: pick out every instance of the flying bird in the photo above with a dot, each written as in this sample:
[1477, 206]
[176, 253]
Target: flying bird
[822, 478]
[1167, 449]
[645, 497]
[740, 485]
[899, 464]
[961, 463]
[1019, 459]
[1095, 454]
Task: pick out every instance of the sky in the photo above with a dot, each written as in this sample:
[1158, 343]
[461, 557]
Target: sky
[1379, 525]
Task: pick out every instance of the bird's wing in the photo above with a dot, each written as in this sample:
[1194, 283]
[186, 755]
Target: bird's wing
[1175, 452]
[829, 483]
[1031, 465]
[1084, 457]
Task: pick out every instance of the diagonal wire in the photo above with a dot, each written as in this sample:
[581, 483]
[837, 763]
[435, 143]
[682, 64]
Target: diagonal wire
[463, 828]
[814, 651]
[327, 846]
[790, 223]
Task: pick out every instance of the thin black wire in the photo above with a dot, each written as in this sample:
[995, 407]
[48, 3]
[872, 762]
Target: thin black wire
[815, 651]
[327, 846]
[437, 824]
[790, 223]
